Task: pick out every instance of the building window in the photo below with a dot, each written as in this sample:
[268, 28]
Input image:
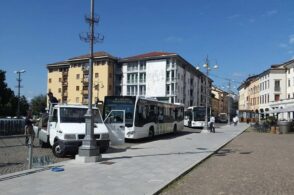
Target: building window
[59, 79]
[77, 88]
[288, 95]
[277, 97]
[78, 76]
[50, 80]
[277, 85]
[109, 88]
[289, 82]
[96, 75]
[59, 90]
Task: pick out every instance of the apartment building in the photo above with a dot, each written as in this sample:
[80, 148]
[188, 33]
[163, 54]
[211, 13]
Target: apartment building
[249, 98]
[284, 107]
[165, 76]
[264, 92]
[219, 101]
[69, 80]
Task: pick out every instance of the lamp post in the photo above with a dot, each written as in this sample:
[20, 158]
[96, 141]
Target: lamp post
[89, 151]
[208, 68]
[18, 86]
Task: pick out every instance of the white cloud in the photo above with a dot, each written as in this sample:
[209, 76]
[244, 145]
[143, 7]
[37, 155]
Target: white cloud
[270, 13]
[252, 20]
[291, 39]
[233, 16]
[283, 45]
[173, 39]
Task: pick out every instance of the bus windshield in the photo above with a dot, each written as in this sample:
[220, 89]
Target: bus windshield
[120, 103]
[199, 113]
[77, 115]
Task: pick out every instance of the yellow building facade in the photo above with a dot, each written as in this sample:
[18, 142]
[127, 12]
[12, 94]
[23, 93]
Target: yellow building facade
[69, 80]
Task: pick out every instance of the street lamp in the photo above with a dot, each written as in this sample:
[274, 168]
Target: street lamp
[208, 68]
[18, 86]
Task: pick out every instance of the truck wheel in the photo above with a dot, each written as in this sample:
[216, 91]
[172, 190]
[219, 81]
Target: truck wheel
[58, 149]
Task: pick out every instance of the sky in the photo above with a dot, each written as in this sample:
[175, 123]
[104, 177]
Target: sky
[244, 37]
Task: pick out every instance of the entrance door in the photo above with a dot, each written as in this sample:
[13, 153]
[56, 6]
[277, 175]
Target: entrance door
[115, 123]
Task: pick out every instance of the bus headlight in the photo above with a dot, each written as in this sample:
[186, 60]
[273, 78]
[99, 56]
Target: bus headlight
[69, 136]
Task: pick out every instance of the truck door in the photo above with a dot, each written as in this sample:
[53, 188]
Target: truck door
[115, 123]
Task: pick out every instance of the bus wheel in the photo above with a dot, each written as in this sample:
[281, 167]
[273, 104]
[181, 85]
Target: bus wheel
[151, 132]
[175, 130]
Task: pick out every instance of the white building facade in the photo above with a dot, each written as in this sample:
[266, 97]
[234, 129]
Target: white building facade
[165, 76]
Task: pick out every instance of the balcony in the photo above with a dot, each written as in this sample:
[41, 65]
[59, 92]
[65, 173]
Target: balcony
[142, 81]
[170, 79]
[65, 73]
[135, 81]
[85, 91]
[277, 88]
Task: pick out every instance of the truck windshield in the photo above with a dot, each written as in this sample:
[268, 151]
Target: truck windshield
[77, 115]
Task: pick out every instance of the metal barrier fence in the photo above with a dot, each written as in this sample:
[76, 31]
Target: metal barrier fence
[16, 155]
[11, 126]
[29, 144]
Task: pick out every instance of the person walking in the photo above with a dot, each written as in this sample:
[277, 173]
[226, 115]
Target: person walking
[29, 128]
[211, 124]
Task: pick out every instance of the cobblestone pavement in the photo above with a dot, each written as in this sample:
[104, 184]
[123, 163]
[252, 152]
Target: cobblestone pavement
[14, 153]
[253, 163]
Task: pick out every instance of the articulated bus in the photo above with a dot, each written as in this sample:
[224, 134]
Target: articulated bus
[195, 116]
[146, 117]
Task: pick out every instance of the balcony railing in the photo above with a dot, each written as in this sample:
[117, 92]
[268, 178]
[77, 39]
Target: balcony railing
[135, 81]
[277, 89]
[142, 80]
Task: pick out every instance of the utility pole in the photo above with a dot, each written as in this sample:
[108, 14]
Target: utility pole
[18, 87]
[229, 102]
[89, 151]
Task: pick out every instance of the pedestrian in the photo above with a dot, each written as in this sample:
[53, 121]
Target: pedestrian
[211, 124]
[235, 120]
[52, 99]
[29, 131]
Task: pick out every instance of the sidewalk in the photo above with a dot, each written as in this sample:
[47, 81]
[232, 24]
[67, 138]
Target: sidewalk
[143, 169]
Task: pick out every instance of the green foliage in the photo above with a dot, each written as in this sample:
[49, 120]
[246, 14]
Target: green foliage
[8, 101]
[38, 104]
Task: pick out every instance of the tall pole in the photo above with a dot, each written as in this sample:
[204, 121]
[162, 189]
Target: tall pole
[206, 94]
[229, 102]
[18, 87]
[89, 149]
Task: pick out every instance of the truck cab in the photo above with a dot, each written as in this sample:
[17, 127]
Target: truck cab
[66, 127]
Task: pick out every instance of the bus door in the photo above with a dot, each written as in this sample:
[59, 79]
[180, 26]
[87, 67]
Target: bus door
[115, 123]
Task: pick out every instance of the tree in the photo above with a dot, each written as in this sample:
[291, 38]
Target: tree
[38, 104]
[8, 101]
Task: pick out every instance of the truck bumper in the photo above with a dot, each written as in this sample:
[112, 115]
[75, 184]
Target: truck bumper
[72, 147]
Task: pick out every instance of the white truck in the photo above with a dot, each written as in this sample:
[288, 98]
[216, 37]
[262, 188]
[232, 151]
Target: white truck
[65, 129]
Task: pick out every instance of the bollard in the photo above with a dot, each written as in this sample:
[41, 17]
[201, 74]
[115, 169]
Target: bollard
[30, 151]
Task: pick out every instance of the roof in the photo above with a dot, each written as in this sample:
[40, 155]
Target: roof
[99, 54]
[154, 54]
